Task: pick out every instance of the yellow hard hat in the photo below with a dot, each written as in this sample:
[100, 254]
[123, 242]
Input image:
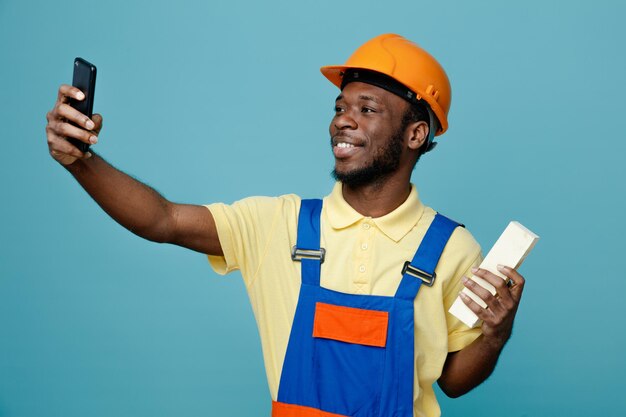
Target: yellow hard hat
[405, 62]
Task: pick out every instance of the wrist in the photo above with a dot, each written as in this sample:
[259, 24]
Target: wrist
[493, 343]
[80, 165]
[75, 166]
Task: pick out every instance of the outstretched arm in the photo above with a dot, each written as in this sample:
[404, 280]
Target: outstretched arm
[131, 203]
[467, 368]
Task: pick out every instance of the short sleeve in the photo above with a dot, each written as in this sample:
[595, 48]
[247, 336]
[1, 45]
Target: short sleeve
[243, 229]
[459, 335]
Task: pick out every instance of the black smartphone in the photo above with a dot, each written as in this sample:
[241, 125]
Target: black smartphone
[85, 80]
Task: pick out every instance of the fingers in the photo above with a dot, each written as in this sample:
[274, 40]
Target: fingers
[482, 313]
[66, 122]
[500, 295]
[493, 302]
[63, 151]
[501, 301]
[65, 111]
[514, 283]
[67, 91]
[497, 325]
[67, 130]
[516, 279]
[501, 289]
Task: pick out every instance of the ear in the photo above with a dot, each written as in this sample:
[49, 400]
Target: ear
[418, 134]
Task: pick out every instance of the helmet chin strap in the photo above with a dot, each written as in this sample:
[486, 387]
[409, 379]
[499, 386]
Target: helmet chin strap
[432, 128]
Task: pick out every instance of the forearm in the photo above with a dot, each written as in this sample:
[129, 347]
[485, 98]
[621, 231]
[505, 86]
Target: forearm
[466, 369]
[129, 202]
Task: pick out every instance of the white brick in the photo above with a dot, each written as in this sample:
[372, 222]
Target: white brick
[511, 248]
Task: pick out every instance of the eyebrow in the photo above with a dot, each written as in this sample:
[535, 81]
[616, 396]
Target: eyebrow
[361, 97]
[369, 98]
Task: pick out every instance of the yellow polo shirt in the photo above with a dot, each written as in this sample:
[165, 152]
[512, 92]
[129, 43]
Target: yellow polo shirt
[364, 255]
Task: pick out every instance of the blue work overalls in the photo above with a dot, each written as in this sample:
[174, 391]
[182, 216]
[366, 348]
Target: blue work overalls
[353, 355]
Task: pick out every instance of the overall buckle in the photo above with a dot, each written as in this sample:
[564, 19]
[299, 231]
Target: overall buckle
[428, 279]
[316, 254]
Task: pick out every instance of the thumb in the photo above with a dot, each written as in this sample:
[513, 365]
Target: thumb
[97, 120]
[516, 291]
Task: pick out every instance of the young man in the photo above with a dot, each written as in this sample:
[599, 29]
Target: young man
[347, 327]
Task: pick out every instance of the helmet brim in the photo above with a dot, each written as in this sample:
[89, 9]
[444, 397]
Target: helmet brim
[334, 74]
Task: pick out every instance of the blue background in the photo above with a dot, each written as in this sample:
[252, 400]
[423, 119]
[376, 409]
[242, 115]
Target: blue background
[216, 100]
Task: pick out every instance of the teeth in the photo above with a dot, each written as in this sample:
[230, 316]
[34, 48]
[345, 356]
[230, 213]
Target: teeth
[345, 145]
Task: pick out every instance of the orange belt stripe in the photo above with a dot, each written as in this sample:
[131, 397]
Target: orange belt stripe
[293, 410]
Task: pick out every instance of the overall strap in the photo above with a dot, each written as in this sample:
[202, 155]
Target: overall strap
[422, 268]
[307, 249]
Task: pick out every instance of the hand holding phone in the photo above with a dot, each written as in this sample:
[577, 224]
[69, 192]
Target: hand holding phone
[85, 80]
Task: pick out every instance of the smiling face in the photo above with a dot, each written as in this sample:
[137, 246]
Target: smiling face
[367, 134]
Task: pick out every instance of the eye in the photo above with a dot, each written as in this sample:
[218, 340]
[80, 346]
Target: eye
[368, 110]
[338, 109]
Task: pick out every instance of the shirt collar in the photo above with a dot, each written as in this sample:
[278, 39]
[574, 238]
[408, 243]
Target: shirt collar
[394, 225]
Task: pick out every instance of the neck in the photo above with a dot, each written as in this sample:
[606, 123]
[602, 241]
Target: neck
[379, 198]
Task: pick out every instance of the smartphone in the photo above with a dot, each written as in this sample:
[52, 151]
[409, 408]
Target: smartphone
[85, 80]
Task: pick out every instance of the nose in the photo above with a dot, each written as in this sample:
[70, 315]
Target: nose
[343, 121]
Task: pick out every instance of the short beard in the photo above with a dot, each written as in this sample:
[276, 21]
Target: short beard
[383, 165]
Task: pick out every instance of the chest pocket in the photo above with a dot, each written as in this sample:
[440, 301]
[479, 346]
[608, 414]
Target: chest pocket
[349, 356]
[350, 325]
